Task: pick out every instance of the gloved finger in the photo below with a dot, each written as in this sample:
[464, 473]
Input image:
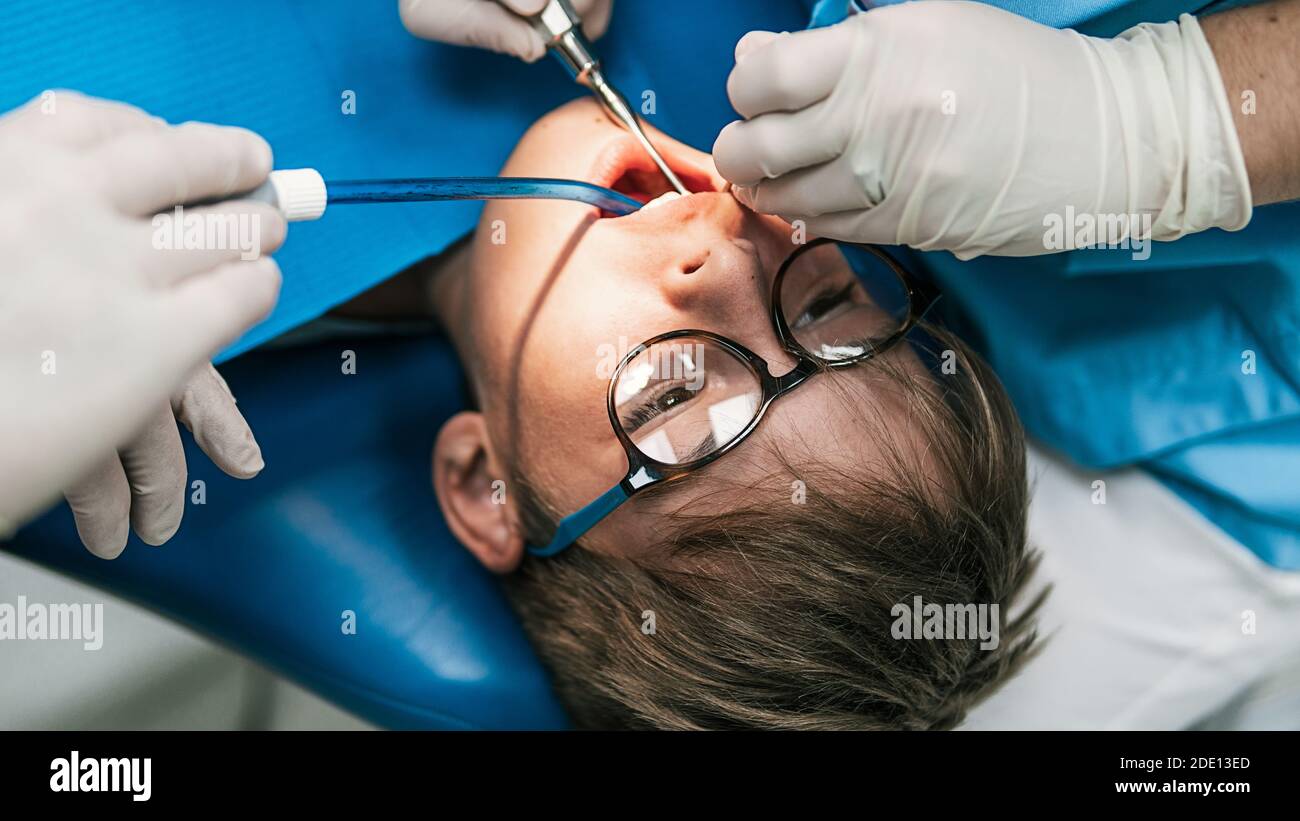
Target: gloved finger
[191, 162]
[526, 6]
[776, 144]
[752, 41]
[155, 467]
[595, 16]
[877, 226]
[480, 23]
[790, 72]
[101, 507]
[593, 13]
[232, 230]
[206, 406]
[208, 311]
[72, 119]
[808, 192]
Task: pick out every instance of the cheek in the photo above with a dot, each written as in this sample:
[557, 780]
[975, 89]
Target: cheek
[530, 234]
[519, 257]
[569, 442]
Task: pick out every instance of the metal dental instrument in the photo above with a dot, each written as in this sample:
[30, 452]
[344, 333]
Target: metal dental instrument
[561, 30]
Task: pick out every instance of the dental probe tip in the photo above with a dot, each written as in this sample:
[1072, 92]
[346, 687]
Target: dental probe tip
[659, 160]
[618, 109]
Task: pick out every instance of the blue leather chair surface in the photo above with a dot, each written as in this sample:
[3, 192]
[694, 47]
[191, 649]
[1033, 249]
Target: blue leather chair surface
[343, 518]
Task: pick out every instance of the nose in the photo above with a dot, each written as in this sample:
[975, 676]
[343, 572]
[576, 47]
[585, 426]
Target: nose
[722, 284]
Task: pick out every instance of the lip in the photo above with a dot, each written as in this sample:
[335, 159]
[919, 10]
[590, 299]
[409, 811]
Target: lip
[623, 165]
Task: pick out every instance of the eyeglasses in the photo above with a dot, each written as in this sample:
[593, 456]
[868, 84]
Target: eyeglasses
[682, 399]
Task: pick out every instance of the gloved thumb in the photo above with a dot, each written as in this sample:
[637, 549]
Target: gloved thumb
[490, 25]
[753, 41]
[485, 24]
[744, 194]
[524, 7]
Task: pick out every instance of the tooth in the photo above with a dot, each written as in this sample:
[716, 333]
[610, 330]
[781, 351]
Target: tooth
[660, 200]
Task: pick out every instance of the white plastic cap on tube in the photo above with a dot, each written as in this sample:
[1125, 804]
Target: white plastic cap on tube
[299, 193]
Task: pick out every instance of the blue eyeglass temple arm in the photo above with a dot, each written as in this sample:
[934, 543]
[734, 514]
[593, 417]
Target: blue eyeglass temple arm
[572, 528]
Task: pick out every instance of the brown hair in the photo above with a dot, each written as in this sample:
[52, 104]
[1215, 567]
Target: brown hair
[780, 615]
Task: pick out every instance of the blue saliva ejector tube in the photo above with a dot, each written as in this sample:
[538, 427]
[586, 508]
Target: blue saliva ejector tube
[302, 194]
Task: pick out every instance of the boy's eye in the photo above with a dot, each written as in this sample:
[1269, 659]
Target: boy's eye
[673, 398]
[666, 398]
[824, 304]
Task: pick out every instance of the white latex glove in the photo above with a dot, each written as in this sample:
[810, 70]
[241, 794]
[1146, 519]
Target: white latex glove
[144, 485]
[959, 126]
[494, 24]
[99, 327]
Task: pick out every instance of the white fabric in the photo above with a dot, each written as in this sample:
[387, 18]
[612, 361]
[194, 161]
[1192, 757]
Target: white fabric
[1144, 625]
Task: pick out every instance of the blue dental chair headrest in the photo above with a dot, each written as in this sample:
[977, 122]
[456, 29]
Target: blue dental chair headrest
[342, 519]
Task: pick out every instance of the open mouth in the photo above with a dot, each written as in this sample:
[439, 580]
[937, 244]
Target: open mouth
[625, 167]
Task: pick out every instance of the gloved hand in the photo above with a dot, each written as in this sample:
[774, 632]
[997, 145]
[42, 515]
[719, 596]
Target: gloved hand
[959, 126]
[101, 321]
[144, 485]
[490, 24]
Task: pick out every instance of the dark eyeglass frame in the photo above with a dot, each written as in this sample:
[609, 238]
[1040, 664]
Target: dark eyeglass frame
[643, 471]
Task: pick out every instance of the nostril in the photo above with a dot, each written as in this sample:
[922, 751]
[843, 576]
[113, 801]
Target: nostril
[692, 267]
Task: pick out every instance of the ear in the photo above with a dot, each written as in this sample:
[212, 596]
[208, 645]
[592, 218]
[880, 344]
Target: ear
[464, 475]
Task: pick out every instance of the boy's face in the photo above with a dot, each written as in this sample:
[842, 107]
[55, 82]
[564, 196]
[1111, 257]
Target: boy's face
[558, 295]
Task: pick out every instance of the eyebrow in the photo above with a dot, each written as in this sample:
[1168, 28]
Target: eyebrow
[700, 450]
[661, 490]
